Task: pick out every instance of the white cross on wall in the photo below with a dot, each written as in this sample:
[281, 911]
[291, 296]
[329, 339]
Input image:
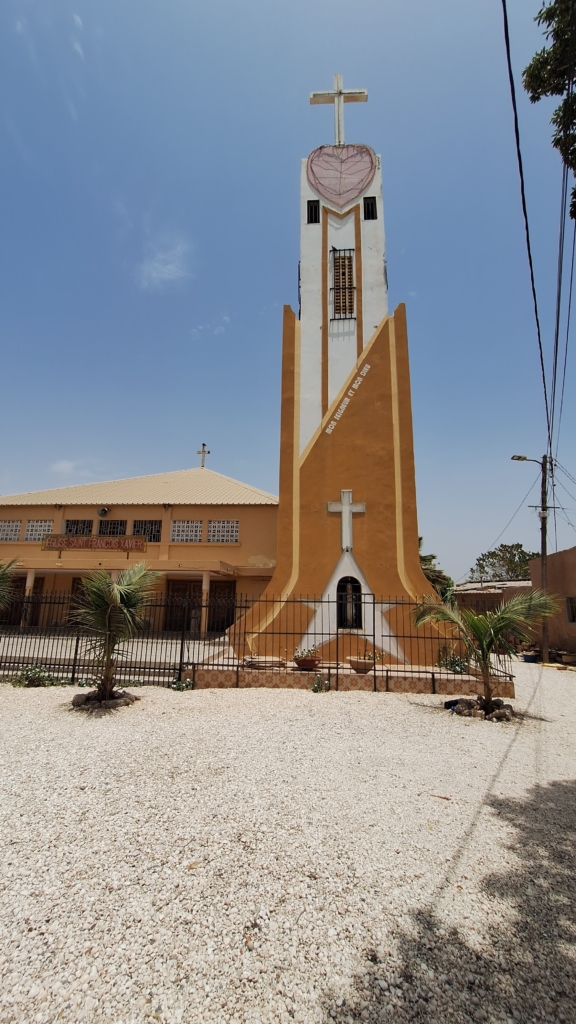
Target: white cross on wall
[346, 507]
[339, 96]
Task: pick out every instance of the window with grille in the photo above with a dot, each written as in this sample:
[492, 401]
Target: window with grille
[343, 284]
[112, 528]
[10, 529]
[370, 208]
[313, 211]
[571, 609]
[78, 527]
[223, 531]
[149, 528]
[36, 529]
[186, 531]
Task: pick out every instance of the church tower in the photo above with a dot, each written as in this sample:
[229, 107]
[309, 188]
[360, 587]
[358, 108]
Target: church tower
[347, 526]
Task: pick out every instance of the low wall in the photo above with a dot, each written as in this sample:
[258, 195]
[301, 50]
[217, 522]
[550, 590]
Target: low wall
[220, 678]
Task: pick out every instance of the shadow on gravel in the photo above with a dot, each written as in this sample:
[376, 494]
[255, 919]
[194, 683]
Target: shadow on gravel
[526, 973]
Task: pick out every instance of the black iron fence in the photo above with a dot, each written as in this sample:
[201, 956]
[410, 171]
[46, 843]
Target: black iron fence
[352, 633]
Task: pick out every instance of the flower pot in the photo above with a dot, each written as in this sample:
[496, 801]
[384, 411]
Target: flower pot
[361, 665]
[307, 664]
[530, 657]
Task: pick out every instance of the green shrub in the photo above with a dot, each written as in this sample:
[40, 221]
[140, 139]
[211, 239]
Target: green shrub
[36, 675]
[320, 685]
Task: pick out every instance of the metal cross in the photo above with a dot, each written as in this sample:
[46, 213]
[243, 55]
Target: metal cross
[346, 507]
[339, 96]
[203, 453]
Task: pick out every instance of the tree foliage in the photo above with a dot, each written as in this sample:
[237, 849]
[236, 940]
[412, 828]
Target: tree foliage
[487, 635]
[506, 562]
[551, 73]
[441, 582]
[111, 612]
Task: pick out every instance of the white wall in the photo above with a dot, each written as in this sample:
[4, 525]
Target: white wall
[342, 346]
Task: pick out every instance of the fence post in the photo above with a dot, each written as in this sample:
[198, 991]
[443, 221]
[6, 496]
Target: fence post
[433, 682]
[374, 639]
[182, 639]
[75, 661]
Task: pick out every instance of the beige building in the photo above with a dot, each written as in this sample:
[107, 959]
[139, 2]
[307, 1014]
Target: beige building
[206, 533]
[562, 582]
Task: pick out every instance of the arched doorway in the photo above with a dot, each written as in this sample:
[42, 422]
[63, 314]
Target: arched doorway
[349, 603]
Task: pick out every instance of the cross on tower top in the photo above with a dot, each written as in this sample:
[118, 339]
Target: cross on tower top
[346, 507]
[203, 453]
[339, 96]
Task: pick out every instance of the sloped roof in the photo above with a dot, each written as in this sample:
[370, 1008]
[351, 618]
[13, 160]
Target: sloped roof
[183, 487]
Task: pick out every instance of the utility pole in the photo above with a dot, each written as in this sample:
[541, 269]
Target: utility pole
[543, 513]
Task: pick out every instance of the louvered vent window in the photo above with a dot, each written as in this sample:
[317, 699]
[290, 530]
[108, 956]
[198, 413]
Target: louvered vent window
[187, 531]
[112, 528]
[36, 529]
[10, 529]
[313, 211]
[370, 208]
[223, 531]
[78, 527]
[343, 284]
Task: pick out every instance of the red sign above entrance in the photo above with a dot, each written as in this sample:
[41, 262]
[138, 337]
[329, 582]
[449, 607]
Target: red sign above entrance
[59, 542]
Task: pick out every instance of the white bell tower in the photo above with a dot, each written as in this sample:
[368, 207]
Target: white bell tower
[343, 290]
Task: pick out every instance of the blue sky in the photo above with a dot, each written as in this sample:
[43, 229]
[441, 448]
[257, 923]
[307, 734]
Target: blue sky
[149, 209]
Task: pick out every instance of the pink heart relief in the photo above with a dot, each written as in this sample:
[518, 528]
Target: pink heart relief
[341, 173]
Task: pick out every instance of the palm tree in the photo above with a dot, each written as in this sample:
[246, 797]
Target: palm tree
[6, 584]
[111, 611]
[485, 635]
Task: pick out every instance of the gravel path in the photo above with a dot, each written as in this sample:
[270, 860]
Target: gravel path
[261, 856]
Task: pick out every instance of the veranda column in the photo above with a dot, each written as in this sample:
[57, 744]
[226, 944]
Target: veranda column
[205, 599]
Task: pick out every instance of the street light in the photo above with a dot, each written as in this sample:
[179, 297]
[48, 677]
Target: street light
[543, 513]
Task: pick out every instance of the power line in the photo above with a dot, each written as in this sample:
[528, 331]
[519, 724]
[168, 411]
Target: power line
[524, 500]
[525, 214]
[568, 316]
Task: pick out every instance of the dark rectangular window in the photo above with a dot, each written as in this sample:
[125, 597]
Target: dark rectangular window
[150, 528]
[112, 528]
[370, 208]
[313, 211]
[571, 609]
[342, 284]
[78, 527]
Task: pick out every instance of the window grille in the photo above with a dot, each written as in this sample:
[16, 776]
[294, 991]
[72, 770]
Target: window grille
[78, 527]
[313, 211]
[10, 529]
[112, 528]
[370, 208]
[571, 609]
[36, 529]
[186, 531]
[343, 284]
[150, 528]
[223, 531]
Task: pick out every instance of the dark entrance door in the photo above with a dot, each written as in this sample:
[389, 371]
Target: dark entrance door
[222, 605]
[183, 606]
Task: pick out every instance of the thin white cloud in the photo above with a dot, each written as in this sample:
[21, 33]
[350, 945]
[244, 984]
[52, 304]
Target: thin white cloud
[77, 20]
[215, 327]
[165, 263]
[63, 466]
[77, 48]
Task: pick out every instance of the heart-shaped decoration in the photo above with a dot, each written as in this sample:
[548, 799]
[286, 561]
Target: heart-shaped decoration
[341, 173]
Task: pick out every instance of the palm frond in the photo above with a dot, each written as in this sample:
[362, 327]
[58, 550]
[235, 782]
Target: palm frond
[6, 583]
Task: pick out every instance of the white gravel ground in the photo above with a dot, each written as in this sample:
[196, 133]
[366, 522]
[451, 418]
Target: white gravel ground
[276, 855]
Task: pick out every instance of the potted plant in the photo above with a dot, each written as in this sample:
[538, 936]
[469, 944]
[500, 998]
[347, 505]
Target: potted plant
[308, 660]
[363, 663]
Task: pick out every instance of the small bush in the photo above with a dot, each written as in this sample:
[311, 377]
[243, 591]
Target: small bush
[183, 684]
[36, 675]
[320, 685]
